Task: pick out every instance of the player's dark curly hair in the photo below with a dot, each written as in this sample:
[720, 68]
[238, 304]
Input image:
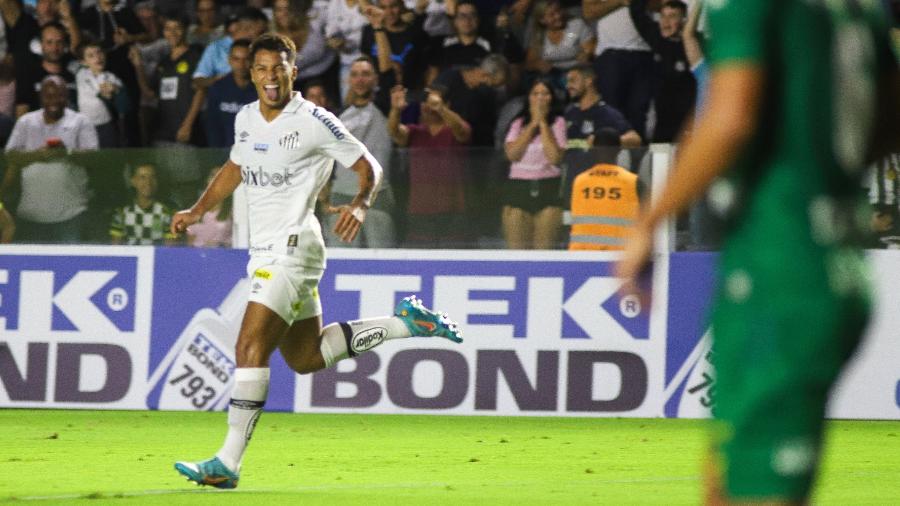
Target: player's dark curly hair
[274, 42]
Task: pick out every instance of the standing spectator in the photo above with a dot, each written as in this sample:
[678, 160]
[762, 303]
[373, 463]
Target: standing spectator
[466, 48]
[557, 43]
[100, 95]
[19, 28]
[472, 93]
[674, 85]
[177, 127]
[117, 28]
[31, 70]
[179, 104]
[113, 23]
[532, 199]
[436, 170]
[585, 117]
[53, 192]
[393, 42]
[368, 124]
[623, 61]
[145, 221]
[7, 226]
[301, 24]
[344, 22]
[248, 23]
[56, 11]
[605, 200]
[214, 230]
[146, 14]
[227, 95]
[207, 28]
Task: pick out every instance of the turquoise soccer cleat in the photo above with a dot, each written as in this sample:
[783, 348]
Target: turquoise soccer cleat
[422, 322]
[209, 472]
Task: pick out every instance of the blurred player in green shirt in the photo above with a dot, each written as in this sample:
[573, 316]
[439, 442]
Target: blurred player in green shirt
[802, 95]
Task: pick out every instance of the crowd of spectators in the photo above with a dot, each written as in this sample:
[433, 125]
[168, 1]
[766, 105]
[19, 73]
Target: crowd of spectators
[529, 89]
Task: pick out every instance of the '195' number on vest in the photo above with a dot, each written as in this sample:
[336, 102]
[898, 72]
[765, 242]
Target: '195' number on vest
[599, 192]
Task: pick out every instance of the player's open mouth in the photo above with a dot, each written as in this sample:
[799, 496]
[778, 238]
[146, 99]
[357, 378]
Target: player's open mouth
[271, 91]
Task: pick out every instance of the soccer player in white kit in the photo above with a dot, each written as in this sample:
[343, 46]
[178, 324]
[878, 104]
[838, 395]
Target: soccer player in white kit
[283, 153]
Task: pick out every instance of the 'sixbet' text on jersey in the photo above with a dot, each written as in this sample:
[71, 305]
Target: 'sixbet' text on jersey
[284, 163]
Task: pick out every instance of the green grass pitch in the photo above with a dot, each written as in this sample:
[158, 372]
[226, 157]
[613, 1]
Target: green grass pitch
[115, 457]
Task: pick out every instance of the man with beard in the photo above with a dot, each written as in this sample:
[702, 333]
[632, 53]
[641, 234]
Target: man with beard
[368, 124]
[31, 71]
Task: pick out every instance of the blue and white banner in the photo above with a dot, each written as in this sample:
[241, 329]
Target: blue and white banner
[546, 333]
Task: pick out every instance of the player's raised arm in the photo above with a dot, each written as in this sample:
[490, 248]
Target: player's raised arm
[352, 215]
[228, 178]
[721, 132]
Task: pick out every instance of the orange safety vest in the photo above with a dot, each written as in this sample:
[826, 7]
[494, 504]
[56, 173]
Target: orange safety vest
[604, 207]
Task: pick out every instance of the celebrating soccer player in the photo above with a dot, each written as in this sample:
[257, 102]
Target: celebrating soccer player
[802, 95]
[283, 154]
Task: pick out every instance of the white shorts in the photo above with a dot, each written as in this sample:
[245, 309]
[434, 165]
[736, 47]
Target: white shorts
[291, 291]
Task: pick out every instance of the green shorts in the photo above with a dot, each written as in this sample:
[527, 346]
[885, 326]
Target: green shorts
[782, 330]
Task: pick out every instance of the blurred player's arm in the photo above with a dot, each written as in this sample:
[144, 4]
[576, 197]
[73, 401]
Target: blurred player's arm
[720, 134]
[228, 178]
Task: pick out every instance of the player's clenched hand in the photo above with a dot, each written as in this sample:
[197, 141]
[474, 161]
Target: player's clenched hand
[349, 222]
[183, 219]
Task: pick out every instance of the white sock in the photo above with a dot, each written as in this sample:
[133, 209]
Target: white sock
[349, 339]
[251, 386]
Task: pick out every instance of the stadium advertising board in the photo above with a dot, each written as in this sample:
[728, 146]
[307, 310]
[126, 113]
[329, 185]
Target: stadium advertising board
[74, 326]
[545, 334]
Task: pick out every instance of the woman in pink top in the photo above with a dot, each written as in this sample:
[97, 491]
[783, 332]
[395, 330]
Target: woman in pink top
[532, 204]
[214, 228]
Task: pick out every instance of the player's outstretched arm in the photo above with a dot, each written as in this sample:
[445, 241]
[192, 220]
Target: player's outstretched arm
[352, 215]
[719, 136]
[228, 178]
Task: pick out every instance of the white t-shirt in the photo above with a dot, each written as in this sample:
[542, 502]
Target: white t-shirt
[616, 31]
[54, 190]
[89, 102]
[284, 164]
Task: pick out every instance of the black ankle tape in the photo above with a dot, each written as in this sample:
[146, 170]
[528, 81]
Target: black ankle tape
[348, 336]
[240, 404]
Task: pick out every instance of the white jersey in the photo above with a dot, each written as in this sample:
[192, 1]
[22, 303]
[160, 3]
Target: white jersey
[284, 164]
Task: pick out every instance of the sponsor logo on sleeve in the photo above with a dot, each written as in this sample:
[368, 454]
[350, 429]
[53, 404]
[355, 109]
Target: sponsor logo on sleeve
[329, 123]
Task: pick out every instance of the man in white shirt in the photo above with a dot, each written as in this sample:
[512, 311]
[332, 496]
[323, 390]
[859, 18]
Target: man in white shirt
[367, 123]
[283, 154]
[623, 61]
[54, 192]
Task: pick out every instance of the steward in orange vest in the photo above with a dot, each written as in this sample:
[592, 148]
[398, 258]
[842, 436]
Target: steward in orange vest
[605, 205]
